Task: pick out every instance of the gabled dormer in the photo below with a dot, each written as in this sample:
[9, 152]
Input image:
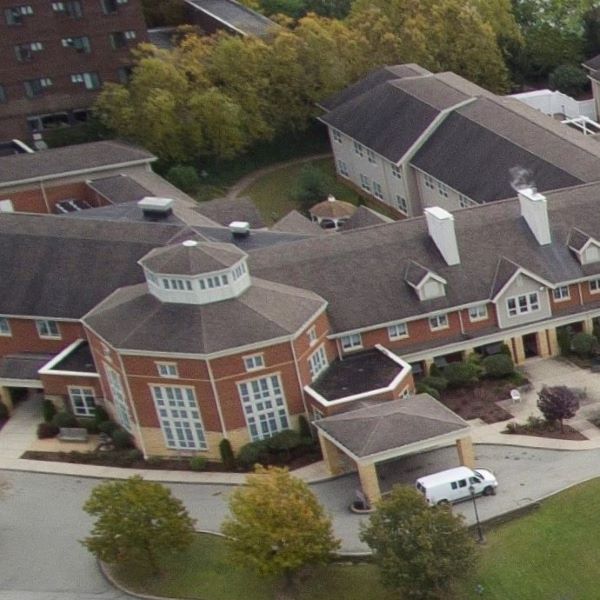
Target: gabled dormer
[585, 247]
[425, 282]
[196, 272]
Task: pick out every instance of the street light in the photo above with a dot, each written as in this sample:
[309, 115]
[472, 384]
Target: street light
[480, 537]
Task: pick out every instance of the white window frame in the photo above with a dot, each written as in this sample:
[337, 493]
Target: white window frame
[401, 204]
[6, 206]
[336, 134]
[264, 405]
[594, 286]
[478, 313]
[343, 168]
[179, 416]
[561, 293]
[312, 335]
[439, 322]
[398, 331]
[442, 189]
[48, 329]
[371, 157]
[254, 362]
[5, 329]
[377, 190]
[352, 341]
[396, 171]
[317, 362]
[119, 397]
[167, 369]
[464, 202]
[523, 304]
[83, 395]
[365, 183]
[359, 149]
[429, 181]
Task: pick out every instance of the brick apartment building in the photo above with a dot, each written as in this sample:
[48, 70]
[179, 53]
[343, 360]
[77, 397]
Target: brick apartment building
[57, 55]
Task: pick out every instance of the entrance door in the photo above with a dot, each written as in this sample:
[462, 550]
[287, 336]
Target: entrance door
[530, 343]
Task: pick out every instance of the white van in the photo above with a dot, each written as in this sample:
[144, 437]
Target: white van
[454, 485]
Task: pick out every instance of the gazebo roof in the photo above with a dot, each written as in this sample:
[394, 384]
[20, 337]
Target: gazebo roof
[392, 428]
[333, 209]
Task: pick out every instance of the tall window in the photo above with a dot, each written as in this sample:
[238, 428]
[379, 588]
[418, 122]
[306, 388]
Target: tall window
[429, 182]
[36, 87]
[358, 149]
[351, 341]
[2, 94]
[401, 204]
[312, 335]
[82, 401]
[343, 168]
[365, 183]
[594, 286]
[317, 362]
[526, 303]
[396, 171]
[264, 407]
[118, 395]
[377, 190]
[4, 326]
[442, 189]
[464, 202]
[371, 157]
[179, 417]
[397, 331]
[47, 329]
[438, 322]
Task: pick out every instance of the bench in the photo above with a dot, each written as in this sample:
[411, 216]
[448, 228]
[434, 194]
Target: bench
[73, 434]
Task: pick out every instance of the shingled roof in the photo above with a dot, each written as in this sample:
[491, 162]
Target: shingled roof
[134, 319]
[119, 189]
[295, 222]
[361, 273]
[391, 425]
[226, 210]
[390, 117]
[59, 162]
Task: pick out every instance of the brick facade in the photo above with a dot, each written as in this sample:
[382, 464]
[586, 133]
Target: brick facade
[25, 338]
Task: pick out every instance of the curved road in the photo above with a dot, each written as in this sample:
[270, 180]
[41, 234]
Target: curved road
[41, 517]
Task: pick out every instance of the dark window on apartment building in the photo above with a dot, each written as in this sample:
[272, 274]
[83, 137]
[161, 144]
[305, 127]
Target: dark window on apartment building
[120, 39]
[69, 8]
[25, 52]
[80, 44]
[90, 81]
[124, 74]
[50, 121]
[2, 94]
[111, 6]
[14, 15]
[36, 87]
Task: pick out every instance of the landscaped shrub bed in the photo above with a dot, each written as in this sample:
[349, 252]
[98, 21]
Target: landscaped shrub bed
[542, 428]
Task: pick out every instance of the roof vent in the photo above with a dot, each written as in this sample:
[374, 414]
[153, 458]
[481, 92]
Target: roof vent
[239, 228]
[155, 209]
[190, 243]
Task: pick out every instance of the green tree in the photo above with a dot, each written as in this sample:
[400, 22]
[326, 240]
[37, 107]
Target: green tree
[277, 525]
[137, 522]
[421, 551]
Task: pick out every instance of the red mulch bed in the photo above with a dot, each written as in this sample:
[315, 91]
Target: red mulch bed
[479, 401]
[556, 434]
[131, 460]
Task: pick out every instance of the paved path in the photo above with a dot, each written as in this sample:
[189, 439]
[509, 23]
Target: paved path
[237, 188]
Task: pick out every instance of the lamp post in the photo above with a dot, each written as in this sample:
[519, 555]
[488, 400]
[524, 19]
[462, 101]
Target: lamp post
[480, 537]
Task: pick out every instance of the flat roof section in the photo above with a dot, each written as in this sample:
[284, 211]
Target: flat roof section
[357, 374]
[23, 365]
[78, 360]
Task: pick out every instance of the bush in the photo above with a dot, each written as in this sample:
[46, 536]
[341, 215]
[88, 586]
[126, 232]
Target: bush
[584, 344]
[90, 424]
[425, 389]
[198, 463]
[304, 427]
[284, 441]
[48, 410]
[64, 419]
[47, 430]
[461, 373]
[154, 461]
[311, 187]
[504, 349]
[227, 456]
[185, 177]
[100, 415]
[435, 371]
[437, 383]
[252, 453]
[108, 427]
[4, 414]
[499, 365]
[122, 439]
[568, 79]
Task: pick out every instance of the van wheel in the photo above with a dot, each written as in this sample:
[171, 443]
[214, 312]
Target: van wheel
[489, 491]
[443, 503]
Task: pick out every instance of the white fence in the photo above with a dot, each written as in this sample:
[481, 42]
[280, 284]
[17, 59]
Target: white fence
[552, 103]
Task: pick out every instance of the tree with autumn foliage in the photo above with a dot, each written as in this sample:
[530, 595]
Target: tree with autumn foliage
[137, 522]
[557, 403]
[277, 525]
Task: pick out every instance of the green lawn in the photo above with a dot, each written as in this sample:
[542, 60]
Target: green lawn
[204, 572]
[550, 554]
[273, 192]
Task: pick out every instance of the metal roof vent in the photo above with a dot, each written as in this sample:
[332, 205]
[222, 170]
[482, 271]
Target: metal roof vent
[239, 228]
[155, 209]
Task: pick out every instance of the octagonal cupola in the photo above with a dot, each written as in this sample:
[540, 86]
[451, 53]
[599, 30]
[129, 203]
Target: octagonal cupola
[196, 272]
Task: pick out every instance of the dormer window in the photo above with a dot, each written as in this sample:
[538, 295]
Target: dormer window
[427, 284]
[175, 284]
